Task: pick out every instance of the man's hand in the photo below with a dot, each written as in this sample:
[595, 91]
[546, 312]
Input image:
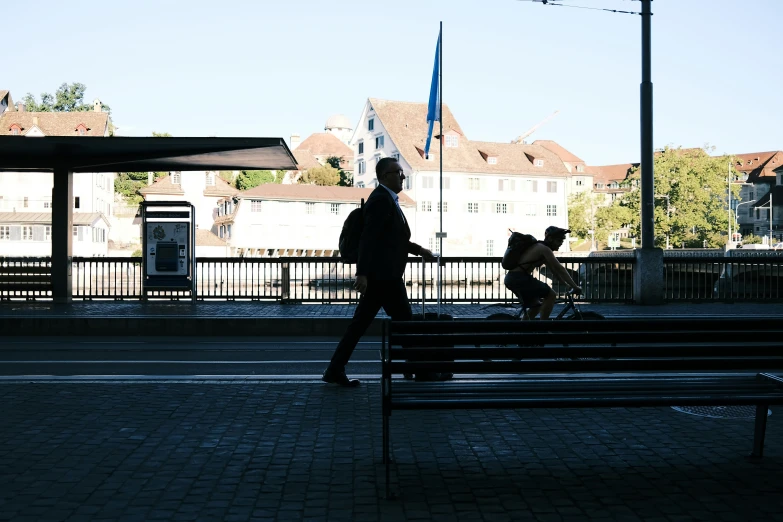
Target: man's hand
[427, 255]
[361, 284]
[577, 290]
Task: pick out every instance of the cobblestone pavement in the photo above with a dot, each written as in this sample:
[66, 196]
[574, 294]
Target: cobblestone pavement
[242, 450]
[271, 309]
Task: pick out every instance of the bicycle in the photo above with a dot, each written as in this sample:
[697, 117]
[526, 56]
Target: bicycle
[571, 306]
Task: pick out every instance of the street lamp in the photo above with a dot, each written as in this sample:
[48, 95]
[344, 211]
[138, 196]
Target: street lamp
[736, 215]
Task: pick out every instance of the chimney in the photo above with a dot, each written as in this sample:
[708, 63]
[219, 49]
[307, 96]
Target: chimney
[149, 178]
[20, 107]
[294, 142]
[97, 106]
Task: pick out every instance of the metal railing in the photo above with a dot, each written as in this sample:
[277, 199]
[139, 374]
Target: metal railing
[604, 278]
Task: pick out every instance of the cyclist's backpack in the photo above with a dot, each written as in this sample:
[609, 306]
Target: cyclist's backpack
[351, 234]
[517, 244]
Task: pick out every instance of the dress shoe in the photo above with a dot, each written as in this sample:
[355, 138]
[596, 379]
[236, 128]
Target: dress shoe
[339, 377]
[445, 376]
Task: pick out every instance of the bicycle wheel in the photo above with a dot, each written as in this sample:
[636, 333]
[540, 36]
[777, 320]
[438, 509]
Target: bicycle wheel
[588, 316]
[591, 316]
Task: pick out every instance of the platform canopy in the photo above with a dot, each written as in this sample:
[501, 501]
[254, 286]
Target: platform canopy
[126, 154]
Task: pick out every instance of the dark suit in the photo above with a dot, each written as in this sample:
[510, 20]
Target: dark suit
[383, 256]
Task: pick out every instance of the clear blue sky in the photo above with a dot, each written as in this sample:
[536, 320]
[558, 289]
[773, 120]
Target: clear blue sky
[264, 68]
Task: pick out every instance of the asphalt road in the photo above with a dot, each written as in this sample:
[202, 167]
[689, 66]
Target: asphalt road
[258, 357]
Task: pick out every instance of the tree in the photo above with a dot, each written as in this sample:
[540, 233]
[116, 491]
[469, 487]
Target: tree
[325, 176]
[67, 98]
[128, 184]
[690, 198]
[280, 176]
[248, 179]
[608, 219]
[346, 178]
[581, 213]
[227, 176]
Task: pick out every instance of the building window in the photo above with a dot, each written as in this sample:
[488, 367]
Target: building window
[492, 160]
[532, 185]
[599, 185]
[426, 206]
[426, 182]
[378, 142]
[445, 206]
[539, 163]
[24, 204]
[396, 156]
[431, 244]
[501, 208]
[5, 233]
[361, 147]
[255, 205]
[362, 167]
[371, 124]
[490, 247]
[580, 168]
[310, 208]
[531, 210]
[76, 202]
[48, 233]
[579, 182]
[408, 182]
[210, 179]
[15, 130]
[506, 184]
[452, 141]
[473, 208]
[75, 232]
[335, 208]
[81, 131]
[551, 186]
[361, 184]
[474, 184]
[446, 183]
[27, 233]
[551, 210]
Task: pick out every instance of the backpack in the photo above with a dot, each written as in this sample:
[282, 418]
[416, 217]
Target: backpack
[517, 244]
[351, 234]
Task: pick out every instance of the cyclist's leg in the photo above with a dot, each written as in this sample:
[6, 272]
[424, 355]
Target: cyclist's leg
[548, 304]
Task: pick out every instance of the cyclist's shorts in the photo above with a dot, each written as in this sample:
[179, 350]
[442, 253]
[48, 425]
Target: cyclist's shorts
[527, 288]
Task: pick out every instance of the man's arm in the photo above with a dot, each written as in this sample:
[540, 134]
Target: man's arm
[414, 249]
[556, 268]
[375, 217]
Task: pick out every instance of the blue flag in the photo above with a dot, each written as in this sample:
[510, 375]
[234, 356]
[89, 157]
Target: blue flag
[433, 111]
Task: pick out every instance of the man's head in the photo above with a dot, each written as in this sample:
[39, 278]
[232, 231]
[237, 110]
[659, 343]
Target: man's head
[389, 174]
[554, 237]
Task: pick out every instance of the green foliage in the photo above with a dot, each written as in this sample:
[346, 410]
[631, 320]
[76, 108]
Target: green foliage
[280, 176]
[696, 208]
[161, 134]
[67, 98]
[750, 239]
[248, 179]
[227, 176]
[136, 253]
[581, 211]
[325, 176]
[346, 178]
[608, 219]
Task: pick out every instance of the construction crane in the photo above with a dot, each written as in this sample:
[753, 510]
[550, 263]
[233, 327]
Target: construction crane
[533, 129]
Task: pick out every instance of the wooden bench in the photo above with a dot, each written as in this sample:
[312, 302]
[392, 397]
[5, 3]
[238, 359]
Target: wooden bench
[583, 364]
[24, 280]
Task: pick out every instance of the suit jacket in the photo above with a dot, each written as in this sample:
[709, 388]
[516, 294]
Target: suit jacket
[385, 242]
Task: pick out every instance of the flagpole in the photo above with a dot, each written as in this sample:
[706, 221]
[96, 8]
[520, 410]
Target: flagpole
[440, 121]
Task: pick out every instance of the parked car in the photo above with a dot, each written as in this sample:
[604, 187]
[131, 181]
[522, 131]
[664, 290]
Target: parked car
[778, 246]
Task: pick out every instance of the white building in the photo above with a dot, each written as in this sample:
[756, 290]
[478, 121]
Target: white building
[24, 234]
[29, 194]
[488, 188]
[290, 220]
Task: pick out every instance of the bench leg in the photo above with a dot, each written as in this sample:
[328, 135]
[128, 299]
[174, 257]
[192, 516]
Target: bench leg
[760, 432]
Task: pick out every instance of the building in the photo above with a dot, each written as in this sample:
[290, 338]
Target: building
[580, 178]
[290, 220]
[30, 193]
[760, 176]
[488, 188]
[24, 234]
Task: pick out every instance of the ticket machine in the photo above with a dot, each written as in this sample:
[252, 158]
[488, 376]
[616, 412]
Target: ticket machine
[169, 240]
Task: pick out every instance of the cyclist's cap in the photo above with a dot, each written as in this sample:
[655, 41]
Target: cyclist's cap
[556, 231]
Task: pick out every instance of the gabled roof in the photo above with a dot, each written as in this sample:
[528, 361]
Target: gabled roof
[4, 94]
[406, 124]
[220, 188]
[558, 149]
[325, 144]
[163, 185]
[208, 238]
[608, 173]
[314, 193]
[56, 123]
[45, 218]
[759, 164]
[304, 159]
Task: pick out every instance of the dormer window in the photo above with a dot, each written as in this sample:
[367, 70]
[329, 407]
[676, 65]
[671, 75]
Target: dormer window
[580, 168]
[492, 160]
[538, 163]
[16, 130]
[452, 141]
[81, 130]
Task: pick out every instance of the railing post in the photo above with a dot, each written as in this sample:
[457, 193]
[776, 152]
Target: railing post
[423, 285]
[285, 281]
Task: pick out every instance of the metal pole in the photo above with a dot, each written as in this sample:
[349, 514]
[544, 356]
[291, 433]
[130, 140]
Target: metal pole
[646, 88]
[728, 240]
[770, 215]
[440, 121]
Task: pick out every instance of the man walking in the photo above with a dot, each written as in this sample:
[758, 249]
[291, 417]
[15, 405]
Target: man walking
[383, 255]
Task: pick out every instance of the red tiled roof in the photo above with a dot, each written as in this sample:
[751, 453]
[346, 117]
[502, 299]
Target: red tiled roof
[559, 150]
[314, 193]
[56, 123]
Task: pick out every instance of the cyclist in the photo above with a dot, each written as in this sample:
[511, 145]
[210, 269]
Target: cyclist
[536, 295]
